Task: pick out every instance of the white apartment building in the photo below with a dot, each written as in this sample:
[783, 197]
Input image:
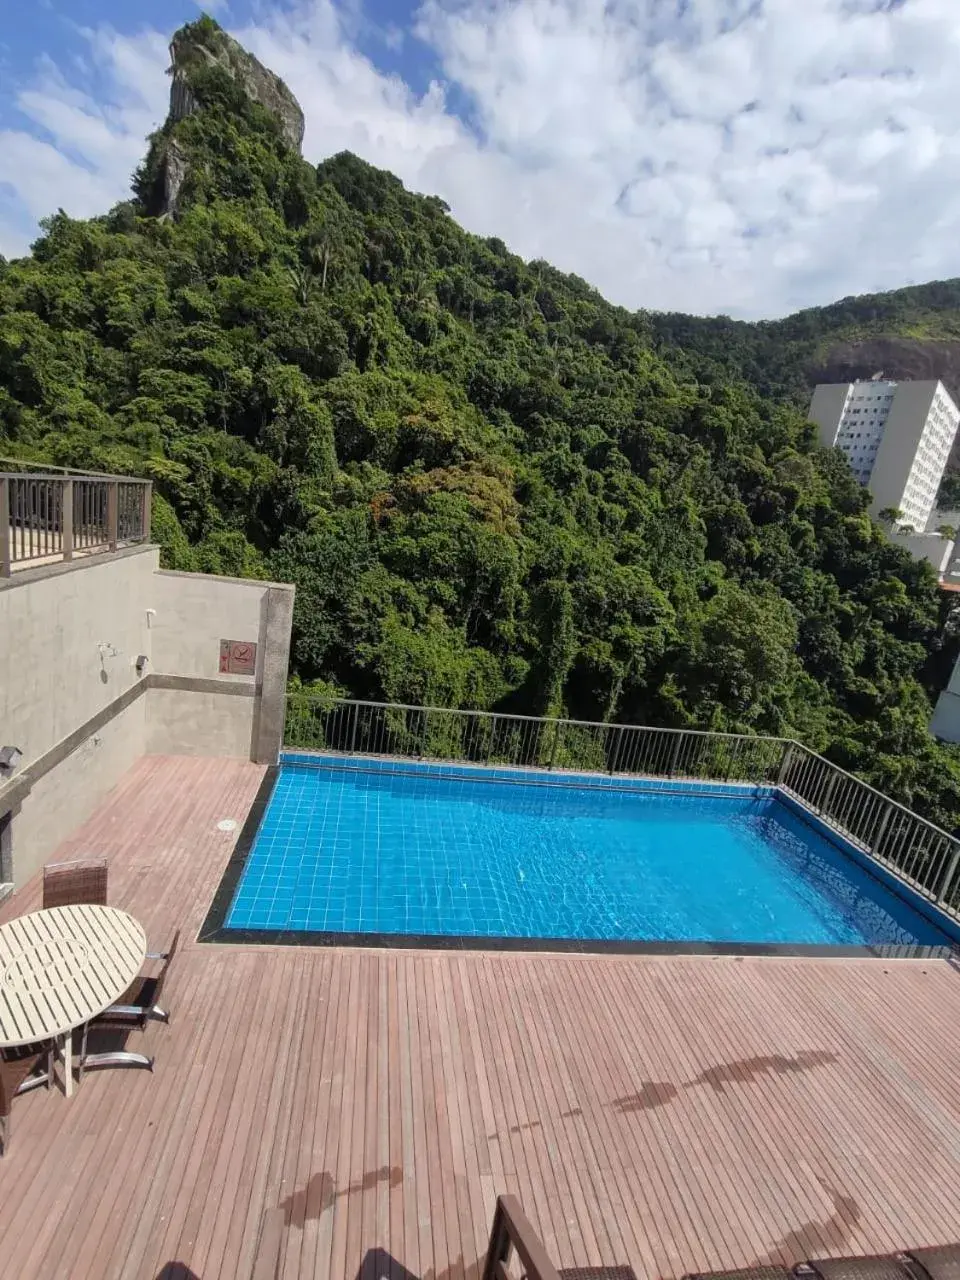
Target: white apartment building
[897, 437]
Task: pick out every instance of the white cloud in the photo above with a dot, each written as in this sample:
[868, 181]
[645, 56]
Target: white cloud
[742, 157]
[84, 144]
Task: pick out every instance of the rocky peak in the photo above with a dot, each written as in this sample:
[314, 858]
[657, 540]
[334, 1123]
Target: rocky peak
[204, 43]
[196, 49]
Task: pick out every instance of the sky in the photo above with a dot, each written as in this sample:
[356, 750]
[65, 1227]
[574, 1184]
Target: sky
[741, 157]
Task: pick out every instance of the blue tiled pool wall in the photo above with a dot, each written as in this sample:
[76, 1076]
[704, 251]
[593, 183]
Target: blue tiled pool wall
[338, 893]
[528, 777]
[871, 867]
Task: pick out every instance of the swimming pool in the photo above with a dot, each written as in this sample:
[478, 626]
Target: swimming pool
[408, 852]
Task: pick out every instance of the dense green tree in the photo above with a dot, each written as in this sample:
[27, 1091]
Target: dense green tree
[491, 488]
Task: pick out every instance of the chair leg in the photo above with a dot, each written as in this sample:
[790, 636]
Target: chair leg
[32, 1082]
[82, 1058]
[119, 1058]
[5, 1121]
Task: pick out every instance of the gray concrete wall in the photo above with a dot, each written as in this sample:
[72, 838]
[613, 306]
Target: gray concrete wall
[826, 408]
[945, 723]
[194, 612]
[182, 722]
[66, 796]
[931, 547]
[953, 684]
[54, 674]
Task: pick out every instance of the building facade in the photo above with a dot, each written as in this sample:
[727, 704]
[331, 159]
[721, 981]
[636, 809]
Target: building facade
[897, 437]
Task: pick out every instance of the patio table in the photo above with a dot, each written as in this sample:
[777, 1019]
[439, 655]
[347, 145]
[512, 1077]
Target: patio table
[61, 967]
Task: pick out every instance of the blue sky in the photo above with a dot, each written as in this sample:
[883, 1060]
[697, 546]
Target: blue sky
[747, 157]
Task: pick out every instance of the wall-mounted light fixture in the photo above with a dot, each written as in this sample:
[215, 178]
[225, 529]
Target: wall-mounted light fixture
[10, 757]
[142, 661]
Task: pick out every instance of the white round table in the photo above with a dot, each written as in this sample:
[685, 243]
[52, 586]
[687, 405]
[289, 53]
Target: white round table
[60, 968]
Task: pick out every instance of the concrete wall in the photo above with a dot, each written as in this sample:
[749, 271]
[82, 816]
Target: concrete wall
[66, 796]
[945, 723]
[185, 722]
[73, 701]
[194, 612]
[68, 645]
[190, 615]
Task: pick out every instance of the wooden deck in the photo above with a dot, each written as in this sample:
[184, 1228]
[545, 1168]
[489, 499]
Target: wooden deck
[353, 1114]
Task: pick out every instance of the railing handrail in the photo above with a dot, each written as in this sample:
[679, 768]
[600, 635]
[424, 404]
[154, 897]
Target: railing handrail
[79, 477]
[511, 715]
[44, 467]
[860, 782]
[46, 517]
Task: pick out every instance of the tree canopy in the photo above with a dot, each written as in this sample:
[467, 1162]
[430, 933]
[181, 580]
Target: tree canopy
[491, 488]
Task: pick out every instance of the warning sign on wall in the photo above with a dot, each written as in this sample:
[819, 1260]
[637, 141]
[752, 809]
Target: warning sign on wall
[238, 658]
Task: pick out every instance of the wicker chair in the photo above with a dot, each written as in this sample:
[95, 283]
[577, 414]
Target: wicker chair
[758, 1271]
[139, 1004]
[17, 1068]
[942, 1262]
[868, 1267]
[66, 884]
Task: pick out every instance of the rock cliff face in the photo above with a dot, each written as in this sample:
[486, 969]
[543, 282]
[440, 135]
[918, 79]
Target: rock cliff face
[206, 44]
[197, 46]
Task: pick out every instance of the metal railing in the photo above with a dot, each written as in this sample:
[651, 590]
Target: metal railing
[47, 517]
[488, 737]
[921, 853]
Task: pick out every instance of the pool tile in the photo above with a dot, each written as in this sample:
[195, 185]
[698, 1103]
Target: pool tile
[384, 846]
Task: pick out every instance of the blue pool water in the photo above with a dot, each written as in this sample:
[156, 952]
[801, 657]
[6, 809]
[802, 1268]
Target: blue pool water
[348, 851]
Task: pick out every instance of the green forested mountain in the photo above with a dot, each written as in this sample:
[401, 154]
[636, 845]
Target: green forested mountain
[491, 488]
[785, 358]
[911, 333]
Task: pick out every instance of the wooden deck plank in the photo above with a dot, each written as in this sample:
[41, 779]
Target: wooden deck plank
[629, 1149]
[353, 1113]
[748, 1123]
[747, 1127]
[305, 1179]
[415, 1159]
[194, 1120]
[575, 1152]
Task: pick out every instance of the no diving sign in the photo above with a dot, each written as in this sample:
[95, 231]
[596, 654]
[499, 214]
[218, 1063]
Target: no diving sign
[238, 658]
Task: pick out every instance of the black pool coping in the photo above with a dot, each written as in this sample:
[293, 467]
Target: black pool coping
[214, 927]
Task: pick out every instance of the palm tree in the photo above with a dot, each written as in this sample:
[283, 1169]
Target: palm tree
[303, 281]
[321, 258]
[420, 292]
